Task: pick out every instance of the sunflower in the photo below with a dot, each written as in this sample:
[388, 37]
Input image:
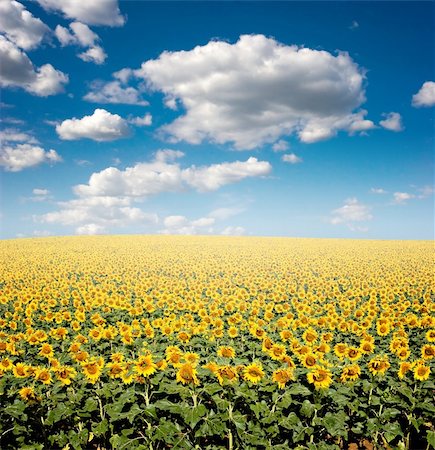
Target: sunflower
[28, 394]
[310, 335]
[6, 364]
[340, 350]
[320, 377]
[378, 365]
[226, 352]
[117, 357]
[43, 375]
[428, 351]
[430, 335]
[283, 376]
[211, 366]
[350, 373]
[187, 374]
[64, 374]
[277, 352]
[92, 370]
[353, 353]
[309, 360]
[145, 366]
[114, 369]
[367, 347]
[233, 332]
[403, 353]
[253, 373]
[191, 358]
[421, 372]
[226, 373]
[404, 368]
[20, 370]
[46, 350]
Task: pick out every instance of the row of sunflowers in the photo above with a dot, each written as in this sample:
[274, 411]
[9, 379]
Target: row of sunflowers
[155, 342]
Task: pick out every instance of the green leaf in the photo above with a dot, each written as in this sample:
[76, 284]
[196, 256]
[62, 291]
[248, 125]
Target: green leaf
[298, 389]
[101, 428]
[307, 409]
[16, 410]
[290, 422]
[391, 430]
[193, 415]
[335, 424]
[58, 413]
[430, 436]
[90, 405]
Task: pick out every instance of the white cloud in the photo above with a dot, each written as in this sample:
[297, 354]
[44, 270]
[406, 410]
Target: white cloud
[426, 191]
[164, 175]
[101, 126]
[20, 26]
[144, 121]
[38, 191]
[291, 158]
[233, 231]
[40, 195]
[425, 97]
[280, 146]
[181, 225]
[14, 135]
[93, 12]
[82, 36]
[22, 156]
[114, 92]
[41, 233]
[350, 213]
[90, 229]
[378, 191]
[225, 213]
[94, 214]
[361, 125]
[257, 90]
[392, 122]
[402, 197]
[94, 54]
[17, 70]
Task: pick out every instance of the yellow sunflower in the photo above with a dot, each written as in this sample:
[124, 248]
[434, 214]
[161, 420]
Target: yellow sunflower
[421, 372]
[350, 373]
[226, 352]
[253, 373]
[187, 374]
[92, 370]
[145, 366]
[283, 376]
[320, 377]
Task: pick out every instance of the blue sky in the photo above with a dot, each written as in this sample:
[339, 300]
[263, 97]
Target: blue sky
[304, 119]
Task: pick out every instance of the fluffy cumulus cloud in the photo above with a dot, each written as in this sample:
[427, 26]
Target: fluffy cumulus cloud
[280, 146]
[20, 26]
[143, 121]
[291, 158]
[80, 34]
[425, 97]
[352, 213]
[16, 70]
[233, 231]
[101, 126]
[22, 156]
[164, 174]
[257, 90]
[40, 195]
[94, 12]
[114, 92]
[182, 225]
[392, 122]
[96, 214]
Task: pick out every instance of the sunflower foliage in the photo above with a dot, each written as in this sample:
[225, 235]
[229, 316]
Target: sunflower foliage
[163, 342]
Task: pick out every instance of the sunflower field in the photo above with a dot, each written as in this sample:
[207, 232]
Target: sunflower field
[160, 342]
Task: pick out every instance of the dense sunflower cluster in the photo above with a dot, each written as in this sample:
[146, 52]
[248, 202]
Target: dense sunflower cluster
[83, 310]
